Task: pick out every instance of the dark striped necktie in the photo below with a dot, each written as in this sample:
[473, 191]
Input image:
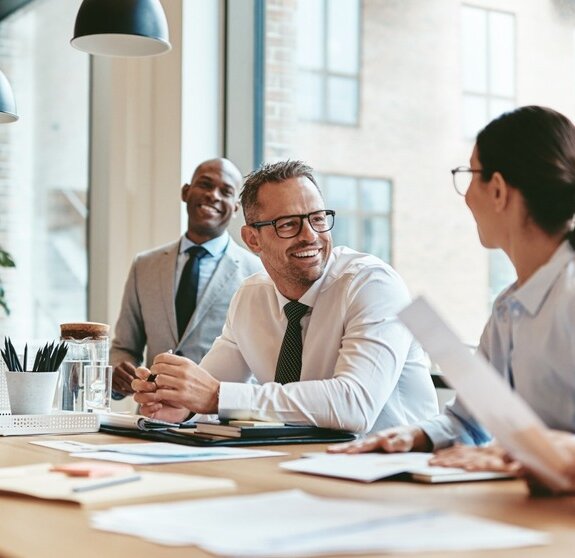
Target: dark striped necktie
[188, 288]
[288, 368]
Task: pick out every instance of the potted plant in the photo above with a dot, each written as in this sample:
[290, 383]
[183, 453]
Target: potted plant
[5, 261]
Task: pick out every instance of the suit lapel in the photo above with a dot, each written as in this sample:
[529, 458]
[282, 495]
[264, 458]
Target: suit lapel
[167, 282]
[217, 285]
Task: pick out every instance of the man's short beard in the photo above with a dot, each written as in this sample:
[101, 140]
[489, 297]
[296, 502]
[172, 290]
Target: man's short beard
[303, 281]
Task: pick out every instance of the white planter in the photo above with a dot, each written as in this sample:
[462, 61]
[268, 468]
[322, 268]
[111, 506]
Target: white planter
[31, 393]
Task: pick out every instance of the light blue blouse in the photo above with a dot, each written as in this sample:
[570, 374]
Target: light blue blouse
[530, 340]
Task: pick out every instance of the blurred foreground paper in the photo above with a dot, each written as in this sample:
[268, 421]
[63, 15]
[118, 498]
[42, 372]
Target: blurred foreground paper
[305, 525]
[486, 394]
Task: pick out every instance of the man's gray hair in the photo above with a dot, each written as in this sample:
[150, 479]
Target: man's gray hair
[271, 173]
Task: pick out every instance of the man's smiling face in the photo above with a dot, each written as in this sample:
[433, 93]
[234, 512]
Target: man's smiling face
[294, 264]
[211, 199]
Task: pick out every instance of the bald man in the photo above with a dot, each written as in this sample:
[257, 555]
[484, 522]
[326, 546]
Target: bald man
[151, 315]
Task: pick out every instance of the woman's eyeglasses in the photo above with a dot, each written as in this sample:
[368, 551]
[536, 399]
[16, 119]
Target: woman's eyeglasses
[462, 177]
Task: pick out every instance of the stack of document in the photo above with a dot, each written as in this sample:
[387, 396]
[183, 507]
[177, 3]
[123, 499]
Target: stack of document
[239, 428]
[253, 432]
[254, 429]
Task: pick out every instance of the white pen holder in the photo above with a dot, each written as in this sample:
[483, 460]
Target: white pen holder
[31, 393]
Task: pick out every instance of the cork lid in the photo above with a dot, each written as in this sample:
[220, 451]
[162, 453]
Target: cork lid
[81, 330]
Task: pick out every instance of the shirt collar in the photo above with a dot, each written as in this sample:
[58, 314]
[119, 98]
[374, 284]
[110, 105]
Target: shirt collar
[215, 246]
[310, 296]
[532, 294]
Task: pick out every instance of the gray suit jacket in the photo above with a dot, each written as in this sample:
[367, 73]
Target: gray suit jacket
[148, 315]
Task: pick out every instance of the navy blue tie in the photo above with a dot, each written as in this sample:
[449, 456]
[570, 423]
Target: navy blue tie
[188, 288]
[288, 368]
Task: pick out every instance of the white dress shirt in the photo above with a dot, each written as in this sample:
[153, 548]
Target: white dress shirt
[530, 340]
[361, 368]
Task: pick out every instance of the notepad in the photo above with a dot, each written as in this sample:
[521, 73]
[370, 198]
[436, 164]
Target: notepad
[371, 467]
[39, 482]
[137, 422]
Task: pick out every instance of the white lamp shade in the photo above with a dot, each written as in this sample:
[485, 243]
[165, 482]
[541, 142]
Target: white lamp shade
[121, 28]
[7, 104]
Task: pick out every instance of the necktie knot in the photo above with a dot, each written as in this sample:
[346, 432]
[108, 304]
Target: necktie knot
[295, 311]
[196, 252]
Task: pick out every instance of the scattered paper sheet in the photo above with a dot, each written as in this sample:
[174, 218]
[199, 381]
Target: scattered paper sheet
[369, 467]
[153, 453]
[148, 453]
[305, 525]
[484, 392]
[69, 446]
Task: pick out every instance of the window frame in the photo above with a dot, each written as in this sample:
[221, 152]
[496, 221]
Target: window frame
[360, 215]
[488, 97]
[324, 73]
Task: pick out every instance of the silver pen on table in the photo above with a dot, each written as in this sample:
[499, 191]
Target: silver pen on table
[105, 483]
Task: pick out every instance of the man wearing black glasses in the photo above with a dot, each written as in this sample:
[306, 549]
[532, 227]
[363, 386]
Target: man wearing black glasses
[317, 331]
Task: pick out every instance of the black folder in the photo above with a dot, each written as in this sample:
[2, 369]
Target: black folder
[187, 436]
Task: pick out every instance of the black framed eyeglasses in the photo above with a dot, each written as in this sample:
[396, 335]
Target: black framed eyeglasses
[288, 226]
[462, 177]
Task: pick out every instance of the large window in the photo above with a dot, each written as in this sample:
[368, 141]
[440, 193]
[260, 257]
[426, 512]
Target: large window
[488, 66]
[428, 71]
[363, 212]
[488, 74]
[328, 39]
[43, 183]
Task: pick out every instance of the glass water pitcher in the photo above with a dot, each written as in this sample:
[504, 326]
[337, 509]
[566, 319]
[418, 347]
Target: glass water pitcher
[88, 344]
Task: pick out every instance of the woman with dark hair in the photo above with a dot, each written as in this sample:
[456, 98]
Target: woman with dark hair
[520, 188]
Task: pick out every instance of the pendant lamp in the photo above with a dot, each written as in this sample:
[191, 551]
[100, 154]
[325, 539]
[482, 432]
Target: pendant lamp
[7, 103]
[121, 28]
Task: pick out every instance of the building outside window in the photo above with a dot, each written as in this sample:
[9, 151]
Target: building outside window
[429, 70]
[44, 178]
[488, 72]
[328, 59]
[488, 66]
[363, 212]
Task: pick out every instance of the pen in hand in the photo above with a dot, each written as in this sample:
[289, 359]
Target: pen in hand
[105, 483]
[152, 377]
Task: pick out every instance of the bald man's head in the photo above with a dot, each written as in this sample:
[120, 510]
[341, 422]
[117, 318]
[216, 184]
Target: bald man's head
[211, 198]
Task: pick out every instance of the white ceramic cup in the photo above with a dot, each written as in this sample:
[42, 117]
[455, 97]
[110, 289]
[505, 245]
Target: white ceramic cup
[31, 393]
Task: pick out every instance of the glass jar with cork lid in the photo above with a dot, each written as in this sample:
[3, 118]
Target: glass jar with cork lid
[88, 345]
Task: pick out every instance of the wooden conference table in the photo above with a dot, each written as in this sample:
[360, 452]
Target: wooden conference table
[35, 528]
